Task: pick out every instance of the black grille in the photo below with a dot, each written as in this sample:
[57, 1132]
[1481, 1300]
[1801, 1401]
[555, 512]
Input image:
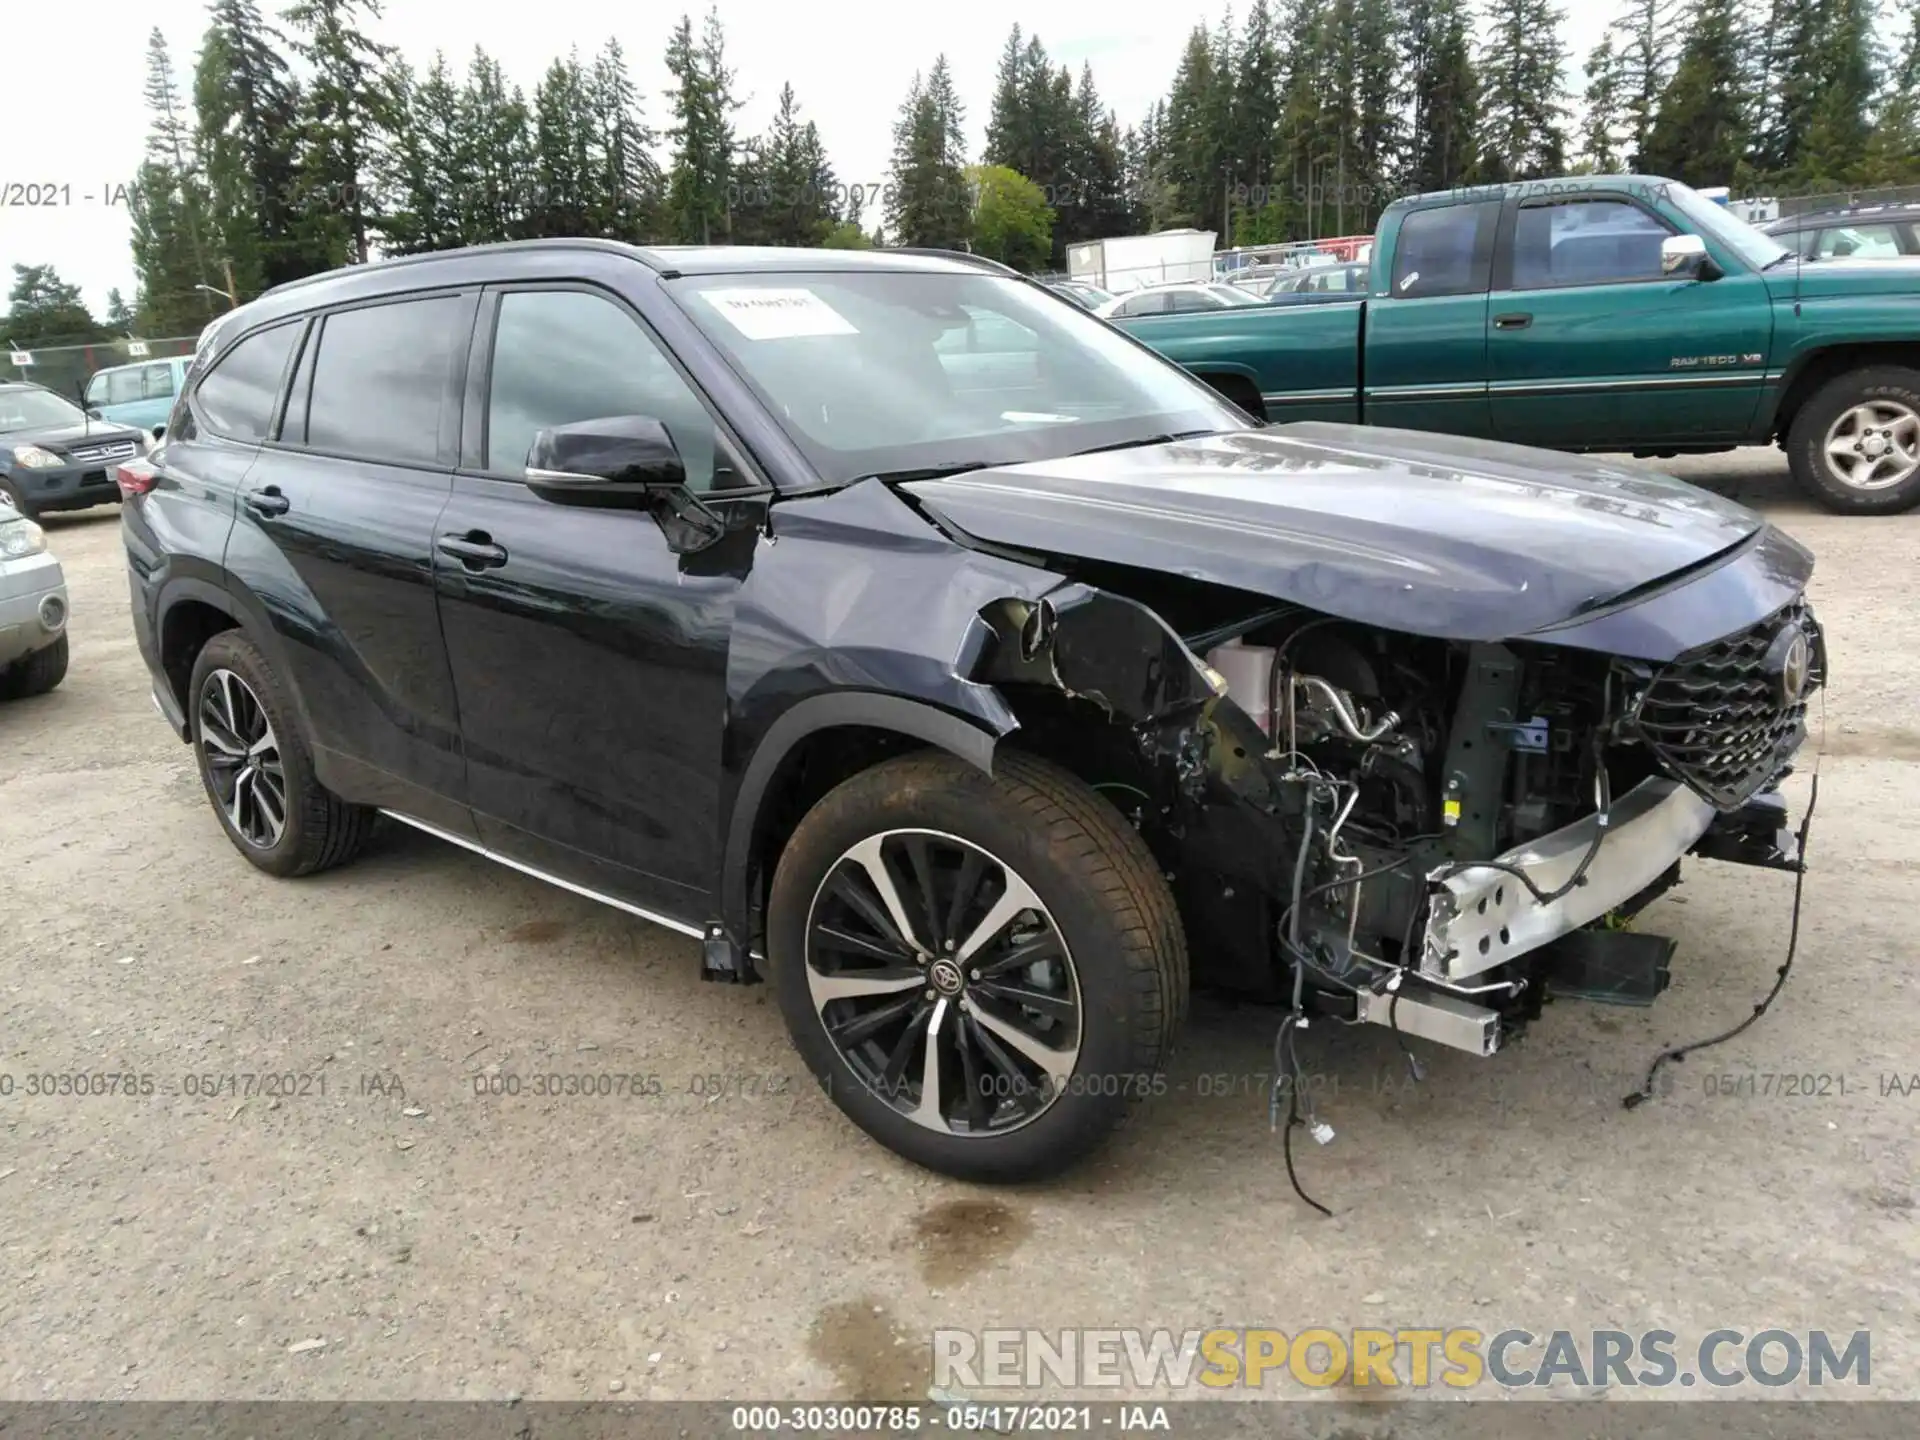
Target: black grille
[1717, 716]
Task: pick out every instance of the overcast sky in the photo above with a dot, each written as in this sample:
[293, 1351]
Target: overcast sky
[83, 125]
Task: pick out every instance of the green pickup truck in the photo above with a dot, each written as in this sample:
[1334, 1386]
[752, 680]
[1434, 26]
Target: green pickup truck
[1615, 313]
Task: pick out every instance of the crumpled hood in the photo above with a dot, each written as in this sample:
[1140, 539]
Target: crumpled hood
[1431, 534]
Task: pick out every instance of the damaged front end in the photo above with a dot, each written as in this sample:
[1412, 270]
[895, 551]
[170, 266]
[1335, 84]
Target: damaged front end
[1402, 830]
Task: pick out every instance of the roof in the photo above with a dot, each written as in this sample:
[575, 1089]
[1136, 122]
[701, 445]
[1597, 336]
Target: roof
[1896, 208]
[683, 259]
[1568, 187]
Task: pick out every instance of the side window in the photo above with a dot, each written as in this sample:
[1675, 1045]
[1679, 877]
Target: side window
[1859, 242]
[157, 382]
[1593, 242]
[1184, 301]
[236, 397]
[562, 356]
[123, 387]
[380, 379]
[97, 389]
[1439, 252]
[1154, 303]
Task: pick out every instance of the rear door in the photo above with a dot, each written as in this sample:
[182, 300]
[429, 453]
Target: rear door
[1425, 349]
[1591, 345]
[335, 537]
[589, 657]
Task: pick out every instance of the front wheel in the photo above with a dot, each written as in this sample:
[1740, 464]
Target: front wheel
[984, 972]
[1855, 446]
[37, 673]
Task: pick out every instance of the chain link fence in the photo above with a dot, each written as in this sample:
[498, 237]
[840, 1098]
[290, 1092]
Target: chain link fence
[67, 368]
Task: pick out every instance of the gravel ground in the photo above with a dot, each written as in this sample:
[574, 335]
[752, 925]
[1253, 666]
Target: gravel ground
[731, 1236]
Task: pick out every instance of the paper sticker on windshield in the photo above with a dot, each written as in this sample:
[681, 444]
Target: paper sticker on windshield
[778, 314]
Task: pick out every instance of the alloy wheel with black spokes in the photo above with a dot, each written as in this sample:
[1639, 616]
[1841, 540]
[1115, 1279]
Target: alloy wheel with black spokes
[257, 765]
[943, 982]
[984, 971]
[242, 754]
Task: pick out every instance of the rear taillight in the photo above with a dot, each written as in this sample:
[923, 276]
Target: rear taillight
[136, 477]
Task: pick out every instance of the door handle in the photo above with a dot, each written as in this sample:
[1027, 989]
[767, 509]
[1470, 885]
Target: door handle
[475, 549]
[267, 501]
[1512, 322]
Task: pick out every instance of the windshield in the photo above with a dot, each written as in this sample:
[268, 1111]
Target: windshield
[875, 372]
[1716, 222]
[33, 409]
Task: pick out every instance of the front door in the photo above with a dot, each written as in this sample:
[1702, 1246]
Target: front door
[590, 659]
[1590, 345]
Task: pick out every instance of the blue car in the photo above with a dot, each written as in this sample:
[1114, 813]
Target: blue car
[140, 394]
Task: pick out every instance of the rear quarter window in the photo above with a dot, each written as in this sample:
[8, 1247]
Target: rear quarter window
[236, 397]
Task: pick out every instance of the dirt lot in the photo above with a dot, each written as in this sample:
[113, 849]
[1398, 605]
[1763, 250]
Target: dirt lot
[732, 1236]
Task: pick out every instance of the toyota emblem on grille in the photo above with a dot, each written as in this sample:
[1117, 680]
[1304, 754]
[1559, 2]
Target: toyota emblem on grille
[1790, 659]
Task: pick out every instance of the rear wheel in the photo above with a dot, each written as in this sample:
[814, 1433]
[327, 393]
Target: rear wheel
[1855, 446]
[258, 770]
[984, 972]
[35, 674]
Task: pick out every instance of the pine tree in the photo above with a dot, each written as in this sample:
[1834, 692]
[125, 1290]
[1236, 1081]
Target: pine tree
[44, 311]
[119, 317]
[701, 133]
[1189, 143]
[566, 180]
[1442, 122]
[1701, 127]
[1790, 84]
[930, 202]
[345, 108]
[1834, 149]
[1648, 43]
[1521, 65]
[629, 185]
[169, 209]
[1094, 201]
[1893, 152]
[1600, 129]
[495, 154]
[1254, 124]
[1376, 120]
[246, 110]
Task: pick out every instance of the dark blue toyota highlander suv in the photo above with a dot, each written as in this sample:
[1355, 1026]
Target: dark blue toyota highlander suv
[903, 634]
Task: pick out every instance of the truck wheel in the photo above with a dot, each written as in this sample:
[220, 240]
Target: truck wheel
[37, 673]
[257, 769]
[984, 972]
[1855, 446]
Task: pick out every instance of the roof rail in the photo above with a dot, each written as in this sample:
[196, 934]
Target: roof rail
[965, 257]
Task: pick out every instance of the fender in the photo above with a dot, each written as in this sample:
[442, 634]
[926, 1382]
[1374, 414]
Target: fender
[247, 614]
[939, 728]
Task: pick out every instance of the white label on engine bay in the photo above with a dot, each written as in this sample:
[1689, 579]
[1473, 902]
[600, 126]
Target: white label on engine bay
[778, 314]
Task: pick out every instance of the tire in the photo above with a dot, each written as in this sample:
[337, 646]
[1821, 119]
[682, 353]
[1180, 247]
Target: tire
[1882, 398]
[37, 673]
[317, 830]
[1120, 964]
[20, 502]
[1241, 391]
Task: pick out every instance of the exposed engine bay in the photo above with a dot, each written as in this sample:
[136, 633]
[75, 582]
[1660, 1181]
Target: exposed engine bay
[1391, 829]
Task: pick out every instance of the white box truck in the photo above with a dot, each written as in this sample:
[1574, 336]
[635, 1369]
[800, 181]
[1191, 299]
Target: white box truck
[1126, 262]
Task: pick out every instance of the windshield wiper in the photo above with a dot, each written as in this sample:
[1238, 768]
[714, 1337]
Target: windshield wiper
[1144, 441]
